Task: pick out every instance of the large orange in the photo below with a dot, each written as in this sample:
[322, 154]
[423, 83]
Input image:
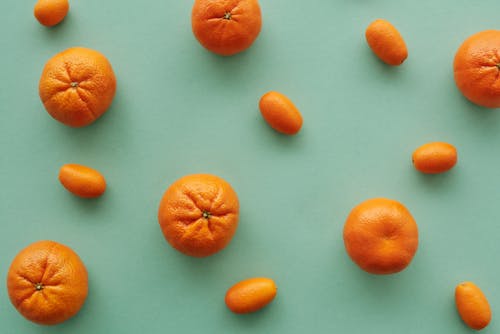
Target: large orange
[47, 282]
[226, 27]
[477, 68]
[381, 236]
[77, 86]
[199, 214]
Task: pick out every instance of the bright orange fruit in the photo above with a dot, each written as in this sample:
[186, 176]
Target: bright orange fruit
[47, 283]
[472, 305]
[280, 113]
[435, 158]
[386, 42]
[82, 181]
[77, 86]
[199, 214]
[381, 236]
[250, 295]
[477, 67]
[51, 12]
[226, 27]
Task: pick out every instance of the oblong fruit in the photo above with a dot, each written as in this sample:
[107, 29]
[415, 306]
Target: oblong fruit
[47, 283]
[435, 158]
[82, 181]
[198, 214]
[280, 113]
[476, 66]
[250, 295]
[381, 236]
[472, 305]
[51, 12]
[386, 42]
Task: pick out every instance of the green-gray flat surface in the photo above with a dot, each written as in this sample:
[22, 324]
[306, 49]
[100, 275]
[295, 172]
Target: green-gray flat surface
[180, 109]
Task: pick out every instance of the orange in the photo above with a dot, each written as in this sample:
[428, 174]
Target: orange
[250, 295]
[472, 305]
[280, 113]
[199, 214]
[77, 86]
[47, 283]
[381, 236]
[51, 12]
[386, 42]
[82, 181]
[434, 158]
[226, 27]
[477, 67]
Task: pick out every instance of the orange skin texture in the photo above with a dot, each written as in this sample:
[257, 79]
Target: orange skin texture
[386, 42]
[47, 283]
[381, 236]
[472, 305]
[250, 295]
[280, 113]
[198, 214]
[51, 12]
[477, 66]
[77, 86]
[435, 158]
[226, 27]
[82, 181]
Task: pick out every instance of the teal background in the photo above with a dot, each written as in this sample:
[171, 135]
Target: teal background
[180, 109]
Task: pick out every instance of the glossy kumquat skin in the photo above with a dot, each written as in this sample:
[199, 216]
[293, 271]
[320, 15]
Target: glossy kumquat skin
[280, 113]
[472, 305]
[386, 42]
[51, 12]
[250, 295]
[435, 158]
[82, 181]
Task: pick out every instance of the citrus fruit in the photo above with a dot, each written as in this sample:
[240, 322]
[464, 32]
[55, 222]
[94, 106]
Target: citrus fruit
[472, 305]
[477, 68]
[435, 158]
[381, 236]
[199, 214]
[250, 295]
[226, 27]
[51, 12]
[47, 283]
[386, 42]
[280, 113]
[77, 86]
[82, 181]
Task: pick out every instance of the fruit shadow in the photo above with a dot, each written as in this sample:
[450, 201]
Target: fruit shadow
[436, 182]
[55, 32]
[274, 140]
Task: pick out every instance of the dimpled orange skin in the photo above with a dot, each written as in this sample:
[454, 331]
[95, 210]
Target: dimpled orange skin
[198, 214]
[435, 158]
[77, 86]
[51, 12]
[386, 42]
[47, 283]
[280, 113]
[250, 295]
[472, 305]
[226, 27]
[82, 181]
[381, 236]
[477, 68]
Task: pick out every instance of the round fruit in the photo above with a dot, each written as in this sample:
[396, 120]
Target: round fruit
[435, 158]
[82, 181]
[47, 283]
[51, 12]
[386, 42]
[381, 236]
[472, 305]
[250, 295]
[77, 86]
[226, 27]
[477, 68]
[280, 113]
[199, 214]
